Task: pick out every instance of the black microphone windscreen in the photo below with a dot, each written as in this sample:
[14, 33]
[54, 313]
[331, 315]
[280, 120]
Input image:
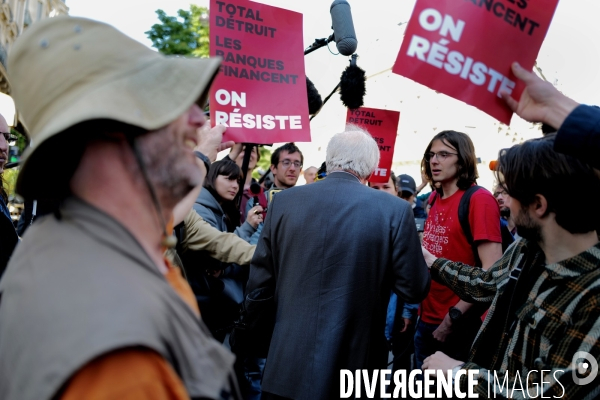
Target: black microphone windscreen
[352, 87]
[255, 188]
[343, 28]
[314, 98]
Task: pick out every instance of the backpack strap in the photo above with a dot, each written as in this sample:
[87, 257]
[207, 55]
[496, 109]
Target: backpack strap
[464, 205]
[463, 218]
[432, 198]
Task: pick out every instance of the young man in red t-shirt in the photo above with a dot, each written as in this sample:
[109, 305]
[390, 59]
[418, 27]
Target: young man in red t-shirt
[447, 323]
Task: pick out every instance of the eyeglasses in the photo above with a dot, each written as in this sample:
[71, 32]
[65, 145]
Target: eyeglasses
[440, 155]
[9, 137]
[286, 163]
[500, 192]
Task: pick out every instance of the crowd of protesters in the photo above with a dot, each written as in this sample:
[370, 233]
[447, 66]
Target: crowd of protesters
[159, 272]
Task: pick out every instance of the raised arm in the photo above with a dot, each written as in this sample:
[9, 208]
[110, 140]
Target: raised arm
[578, 125]
[223, 246]
[474, 285]
[540, 101]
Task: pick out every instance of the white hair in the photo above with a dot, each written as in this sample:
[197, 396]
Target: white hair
[353, 150]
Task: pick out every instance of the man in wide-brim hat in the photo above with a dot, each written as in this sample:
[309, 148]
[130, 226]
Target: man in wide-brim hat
[89, 306]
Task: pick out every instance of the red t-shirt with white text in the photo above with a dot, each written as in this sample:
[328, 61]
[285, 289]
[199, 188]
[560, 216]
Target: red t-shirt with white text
[443, 237]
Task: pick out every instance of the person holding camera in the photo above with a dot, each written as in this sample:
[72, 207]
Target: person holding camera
[216, 205]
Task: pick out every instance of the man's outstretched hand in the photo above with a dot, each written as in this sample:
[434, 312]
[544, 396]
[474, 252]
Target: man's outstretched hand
[440, 361]
[429, 258]
[540, 101]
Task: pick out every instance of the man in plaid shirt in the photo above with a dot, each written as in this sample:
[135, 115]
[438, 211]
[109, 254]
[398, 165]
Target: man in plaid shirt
[541, 332]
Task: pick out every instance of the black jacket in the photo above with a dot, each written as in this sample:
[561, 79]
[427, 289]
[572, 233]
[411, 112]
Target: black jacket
[579, 135]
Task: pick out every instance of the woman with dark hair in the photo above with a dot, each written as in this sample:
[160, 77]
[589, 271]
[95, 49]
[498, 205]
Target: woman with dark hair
[237, 154]
[216, 205]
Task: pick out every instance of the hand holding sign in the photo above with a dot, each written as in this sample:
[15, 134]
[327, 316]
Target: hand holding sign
[210, 141]
[540, 101]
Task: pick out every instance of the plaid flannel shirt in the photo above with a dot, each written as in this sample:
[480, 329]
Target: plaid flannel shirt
[559, 318]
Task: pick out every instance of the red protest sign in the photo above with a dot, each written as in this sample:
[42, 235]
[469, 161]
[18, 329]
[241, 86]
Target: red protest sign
[382, 125]
[260, 92]
[465, 48]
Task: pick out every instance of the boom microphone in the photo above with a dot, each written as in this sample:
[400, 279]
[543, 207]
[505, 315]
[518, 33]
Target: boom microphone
[352, 85]
[343, 28]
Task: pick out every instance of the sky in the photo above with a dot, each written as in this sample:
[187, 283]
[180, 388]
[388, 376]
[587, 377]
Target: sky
[569, 58]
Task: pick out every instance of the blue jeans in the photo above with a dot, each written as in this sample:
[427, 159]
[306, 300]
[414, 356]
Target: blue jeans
[254, 368]
[249, 371]
[457, 344]
[425, 344]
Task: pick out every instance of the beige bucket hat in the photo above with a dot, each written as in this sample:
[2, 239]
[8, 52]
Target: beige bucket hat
[68, 70]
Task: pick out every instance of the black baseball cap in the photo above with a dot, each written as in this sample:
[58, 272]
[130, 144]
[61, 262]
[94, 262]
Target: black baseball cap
[407, 184]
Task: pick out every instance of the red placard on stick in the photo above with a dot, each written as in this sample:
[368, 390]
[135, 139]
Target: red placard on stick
[260, 92]
[382, 125]
[465, 48]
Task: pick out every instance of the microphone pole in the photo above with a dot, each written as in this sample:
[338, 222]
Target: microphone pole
[248, 148]
[326, 98]
[353, 64]
[318, 44]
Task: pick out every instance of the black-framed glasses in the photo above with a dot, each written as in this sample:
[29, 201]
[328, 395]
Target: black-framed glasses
[440, 155]
[9, 137]
[286, 163]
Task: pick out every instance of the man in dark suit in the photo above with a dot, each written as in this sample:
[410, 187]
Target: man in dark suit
[333, 251]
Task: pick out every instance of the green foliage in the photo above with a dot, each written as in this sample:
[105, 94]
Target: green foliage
[186, 34]
[22, 141]
[264, 163]
[9, 176]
